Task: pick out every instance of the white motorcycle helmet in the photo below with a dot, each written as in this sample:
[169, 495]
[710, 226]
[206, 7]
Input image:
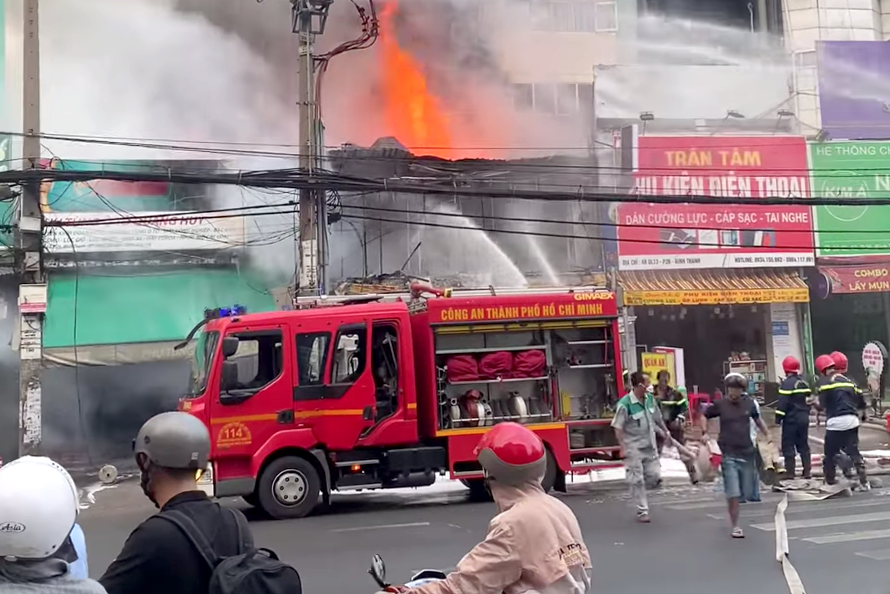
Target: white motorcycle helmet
[39, 504]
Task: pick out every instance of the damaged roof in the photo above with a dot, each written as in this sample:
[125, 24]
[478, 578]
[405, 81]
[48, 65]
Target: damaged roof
[387, 158]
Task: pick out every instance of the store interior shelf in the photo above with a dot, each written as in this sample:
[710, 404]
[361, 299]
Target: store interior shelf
[470, 351]
[508, 380]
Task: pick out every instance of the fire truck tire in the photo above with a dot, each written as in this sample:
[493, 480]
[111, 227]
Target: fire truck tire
[478, 491]
[251, 500]
[289, 487]
[550, 473]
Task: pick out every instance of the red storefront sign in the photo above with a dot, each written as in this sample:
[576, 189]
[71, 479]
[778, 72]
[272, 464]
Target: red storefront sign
[857, 279]
[658, 236]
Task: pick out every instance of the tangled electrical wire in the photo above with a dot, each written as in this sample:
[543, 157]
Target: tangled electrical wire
[369, 34]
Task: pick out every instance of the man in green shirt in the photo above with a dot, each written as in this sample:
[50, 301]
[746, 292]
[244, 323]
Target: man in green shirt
[636, 422]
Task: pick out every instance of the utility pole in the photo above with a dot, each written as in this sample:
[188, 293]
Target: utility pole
[309, 19]
[29, 244]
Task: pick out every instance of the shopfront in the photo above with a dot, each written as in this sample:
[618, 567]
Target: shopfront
[723, 283]
[744, 321]
[851, 290]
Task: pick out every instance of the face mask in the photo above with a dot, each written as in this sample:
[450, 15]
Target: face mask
[145, 479]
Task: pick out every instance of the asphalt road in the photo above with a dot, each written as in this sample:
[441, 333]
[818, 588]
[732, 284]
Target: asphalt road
[685, 549]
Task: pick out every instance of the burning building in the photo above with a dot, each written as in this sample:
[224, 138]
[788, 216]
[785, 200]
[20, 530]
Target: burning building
[468, 240]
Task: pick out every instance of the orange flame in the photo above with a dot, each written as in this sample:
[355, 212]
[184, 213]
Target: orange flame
[414, 115]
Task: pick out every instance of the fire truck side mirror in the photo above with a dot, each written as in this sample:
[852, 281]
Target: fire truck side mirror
[229, 346]
[229, 377]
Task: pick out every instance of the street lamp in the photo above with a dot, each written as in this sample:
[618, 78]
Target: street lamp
[310, 16]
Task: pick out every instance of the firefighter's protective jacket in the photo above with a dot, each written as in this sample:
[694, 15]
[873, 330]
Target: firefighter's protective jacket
[673, 405]
[534, 545]
[793, 406]
[839, 396]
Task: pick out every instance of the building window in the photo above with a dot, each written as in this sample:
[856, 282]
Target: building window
[553, 99]
[574, 16]
[606, 16]
[524, 96]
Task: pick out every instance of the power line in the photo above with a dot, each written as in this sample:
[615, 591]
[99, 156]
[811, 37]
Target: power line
[324, 181]
[582, 223]
[164, 144]
[802, 248]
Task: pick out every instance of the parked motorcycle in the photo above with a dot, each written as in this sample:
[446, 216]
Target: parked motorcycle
[378, 572]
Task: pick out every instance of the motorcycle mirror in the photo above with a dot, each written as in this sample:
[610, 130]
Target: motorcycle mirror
[378, 571]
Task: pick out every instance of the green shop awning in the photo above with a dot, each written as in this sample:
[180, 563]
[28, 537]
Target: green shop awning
[143, 308]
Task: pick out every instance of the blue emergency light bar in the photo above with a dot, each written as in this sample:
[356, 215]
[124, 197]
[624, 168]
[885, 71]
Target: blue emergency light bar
[224, 312]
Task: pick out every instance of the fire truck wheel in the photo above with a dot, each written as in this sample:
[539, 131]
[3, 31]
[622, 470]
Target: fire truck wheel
[251, 500]
[289, 488]
[478, 491]
[549, 479]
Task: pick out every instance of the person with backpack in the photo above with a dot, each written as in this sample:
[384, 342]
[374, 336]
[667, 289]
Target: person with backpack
[194, 545]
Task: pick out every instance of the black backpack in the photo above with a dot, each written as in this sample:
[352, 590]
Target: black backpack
[256, 571]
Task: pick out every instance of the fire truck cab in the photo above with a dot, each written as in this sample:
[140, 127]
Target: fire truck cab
[351, 394]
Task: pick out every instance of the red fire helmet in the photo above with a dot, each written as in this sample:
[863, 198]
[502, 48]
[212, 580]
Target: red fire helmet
[840, 361]
[790, 365]
[824, 362]
[512, 454]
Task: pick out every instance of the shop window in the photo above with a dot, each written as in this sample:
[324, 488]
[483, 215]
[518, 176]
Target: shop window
[258, 358]
[350, 355]
[312, 357]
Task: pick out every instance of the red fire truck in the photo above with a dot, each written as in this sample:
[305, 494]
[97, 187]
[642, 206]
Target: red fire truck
[377, 392]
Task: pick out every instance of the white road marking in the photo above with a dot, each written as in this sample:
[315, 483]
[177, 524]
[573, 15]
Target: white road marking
[721, 503]
[830, 521]
[849, 537]
[380, 527]
[806, 507]
[882, 555]
[684, 501]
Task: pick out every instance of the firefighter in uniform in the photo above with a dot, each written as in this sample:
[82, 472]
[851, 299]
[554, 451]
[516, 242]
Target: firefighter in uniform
[793, 414]
[843, 404]
[674, 409]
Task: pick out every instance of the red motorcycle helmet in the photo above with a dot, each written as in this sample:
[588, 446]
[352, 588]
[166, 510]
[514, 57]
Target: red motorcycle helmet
[823, 363]
[840, 361]
[512, 455]
[790, 365]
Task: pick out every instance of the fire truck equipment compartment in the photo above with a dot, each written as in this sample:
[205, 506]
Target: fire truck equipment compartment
[462, 368]
[496, 365]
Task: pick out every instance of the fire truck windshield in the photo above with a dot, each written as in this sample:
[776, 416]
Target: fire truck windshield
[201, 362]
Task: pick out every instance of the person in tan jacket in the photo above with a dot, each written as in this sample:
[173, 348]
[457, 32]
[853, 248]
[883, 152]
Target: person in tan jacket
[534, 544]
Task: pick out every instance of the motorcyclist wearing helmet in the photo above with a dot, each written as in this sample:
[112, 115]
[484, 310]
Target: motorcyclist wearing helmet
[738, 451]
[171, 450]
[843, 404]
[793, 414]
[40, 505]
[534, 544]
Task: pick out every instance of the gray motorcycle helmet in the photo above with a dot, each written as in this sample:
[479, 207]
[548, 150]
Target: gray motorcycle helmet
[174, 440]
